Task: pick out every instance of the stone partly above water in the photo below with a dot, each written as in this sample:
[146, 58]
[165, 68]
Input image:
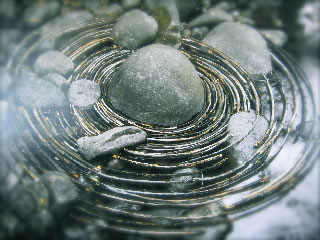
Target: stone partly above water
[110, 141]
[134, 28]
[157, 85]
[243, 44]
[84, 93]
[53, 62]
[248, 128]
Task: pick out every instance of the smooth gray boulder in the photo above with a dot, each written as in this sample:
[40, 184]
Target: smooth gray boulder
[84, 93]
[241, 124]
[35, 92]
[243, 44]
[109, 13]
[37, 13]
[157, 85]
[211, 17]
[110, 141]
[134, 29]
[56, 79]
[53, 62]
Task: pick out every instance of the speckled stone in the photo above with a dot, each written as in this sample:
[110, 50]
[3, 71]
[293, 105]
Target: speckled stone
[84, 93]
[110, 141]
[157, 85]
[37, 13]
[134, 29]
[242, 43]
[239, 126]
[53, 62]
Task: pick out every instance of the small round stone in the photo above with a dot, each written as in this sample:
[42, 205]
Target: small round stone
[157, 85]
[84, 93]
[243, 44]
[134, 29]
[53, 62]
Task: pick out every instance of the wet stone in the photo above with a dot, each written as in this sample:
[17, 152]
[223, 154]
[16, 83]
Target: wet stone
[277, 37]
[62, 191]
[35, 92]
[127, 4]
[109, 13]
[199, 32]
[110, 141]
[243, 44]
[239, 126]
[8, 9]
[166, 14]
[134, 29]
[217, 230]
[24, 202]
[56, 79]
[84, 93]
[66, 20]
[11, 226]
[183, 179]
[41, 223]
[211, 17]
[157, 85]
[53, 62]
[37, 13]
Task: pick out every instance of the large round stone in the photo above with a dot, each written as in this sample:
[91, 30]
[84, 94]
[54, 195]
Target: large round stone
[157, 85]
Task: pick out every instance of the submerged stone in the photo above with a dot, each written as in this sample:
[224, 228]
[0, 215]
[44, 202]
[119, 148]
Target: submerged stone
[6, 80]
[277, 37]
[243, 44]
[84, 93]
[239, 126]
[53, 62]
[110, 141]
[34, 92]
[56, 79]
[211, 17]
[65, 20]
[157, 85]
[37, 13]
[127, 4]
[183, 179]
[62, 191]
[134, 28]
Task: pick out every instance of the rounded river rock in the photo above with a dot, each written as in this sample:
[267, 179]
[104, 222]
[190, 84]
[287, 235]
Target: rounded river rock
[157, 85]
[134, 29]
[243, 44]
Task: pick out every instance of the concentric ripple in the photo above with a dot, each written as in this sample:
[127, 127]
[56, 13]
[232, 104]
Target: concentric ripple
[46, 139]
